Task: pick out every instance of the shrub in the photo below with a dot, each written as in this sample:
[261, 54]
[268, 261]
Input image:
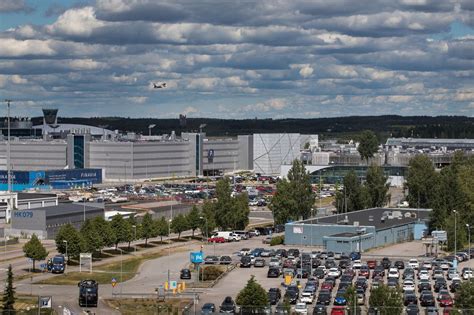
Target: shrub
[210, 273]
[277, 240]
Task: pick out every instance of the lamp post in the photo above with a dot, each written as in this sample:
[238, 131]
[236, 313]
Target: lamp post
[469, 239]
[67, 257]
[169, 250]
[121, 269]
[455, 237]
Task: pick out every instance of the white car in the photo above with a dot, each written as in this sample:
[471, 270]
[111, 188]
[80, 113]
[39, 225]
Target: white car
[445, 265]
[274, 262]
[323, 268]
[356, 264]
[244, 251]
[413, 263]
[427, 264]
[467, 275]
[453, 273]
[334, 272]
[393, 273]
[408, 286]
[301, 308]
[424, 275]
[307, 297]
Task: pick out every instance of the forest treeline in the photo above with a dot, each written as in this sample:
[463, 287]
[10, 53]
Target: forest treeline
[339, 127]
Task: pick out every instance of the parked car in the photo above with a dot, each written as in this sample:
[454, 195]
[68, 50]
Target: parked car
[274, 295]
[208, 308]
[185, 274]
[273, 273]
[228, 305]
[211, 260]
[259, 262]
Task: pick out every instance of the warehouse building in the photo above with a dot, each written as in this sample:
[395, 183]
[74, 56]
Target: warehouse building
[46, 222]
[24, 201]
[359, 230]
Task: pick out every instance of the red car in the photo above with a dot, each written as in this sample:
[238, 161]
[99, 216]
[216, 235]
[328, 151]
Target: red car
[216, 240]
[327, 286]
[364, 272]
[445, 300]
[447, 310]
[372, 264]
[338, 310]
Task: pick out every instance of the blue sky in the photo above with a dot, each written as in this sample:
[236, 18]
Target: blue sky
[238, 59]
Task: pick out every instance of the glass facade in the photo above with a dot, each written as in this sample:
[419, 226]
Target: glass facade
[335, 174]
[78, 151]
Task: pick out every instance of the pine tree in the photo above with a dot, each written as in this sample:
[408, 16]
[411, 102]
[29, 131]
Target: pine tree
[252, 298]
[34, 250]
[9, 293]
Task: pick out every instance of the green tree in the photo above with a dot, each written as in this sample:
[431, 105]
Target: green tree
[162, 228]
[301, 190]
[422, 182]
[465, 297]
[208, 223]
[351, 298]
[252, 298]
[107, 237]
[92, 240]
[131, 225]
[148, 228]
[34, 250]
[230, 212]
[74, 242]
[387, 300]
[284, 208]
[376, 187]
[353, 195]
[9, 294]
[179, 224]
[120, 229]
[194, 219]
[368, 145]
[294, 197]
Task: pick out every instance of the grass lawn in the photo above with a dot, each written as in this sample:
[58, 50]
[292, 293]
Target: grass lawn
[148, 306]
[104, 274]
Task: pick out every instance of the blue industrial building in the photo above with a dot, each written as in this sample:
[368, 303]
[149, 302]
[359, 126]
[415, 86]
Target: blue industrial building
[52, 179]
[359, 230]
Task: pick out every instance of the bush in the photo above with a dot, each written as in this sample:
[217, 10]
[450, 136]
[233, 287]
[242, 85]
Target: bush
[210, 273]
[277, 240]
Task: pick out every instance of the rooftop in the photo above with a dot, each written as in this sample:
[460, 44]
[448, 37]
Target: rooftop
[71, 208]
[380, 218]
[25, 196]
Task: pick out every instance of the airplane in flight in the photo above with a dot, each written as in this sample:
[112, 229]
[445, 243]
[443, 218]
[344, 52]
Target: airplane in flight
[159, 86]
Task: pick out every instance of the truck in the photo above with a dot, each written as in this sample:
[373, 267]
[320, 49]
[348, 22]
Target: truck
[88, 293]
[57, 264]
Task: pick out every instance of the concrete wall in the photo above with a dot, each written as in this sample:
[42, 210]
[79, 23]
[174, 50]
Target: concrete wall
[349, 244]
[31, 219]
[34, 155]
[53, 224]
[226, 155]
[245, 152]
[274, 149]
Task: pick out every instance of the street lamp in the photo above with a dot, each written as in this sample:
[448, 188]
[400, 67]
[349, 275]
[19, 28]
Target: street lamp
[169, 250]
[121, 269]
[455, 237]
[469, 239]
[67, 257]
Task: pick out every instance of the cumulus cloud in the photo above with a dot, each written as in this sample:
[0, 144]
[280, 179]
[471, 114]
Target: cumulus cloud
[15, 6]
[239, 59]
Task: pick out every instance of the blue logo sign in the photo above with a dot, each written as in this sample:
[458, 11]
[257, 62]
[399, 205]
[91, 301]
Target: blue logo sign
[196, 257]
[23, 214]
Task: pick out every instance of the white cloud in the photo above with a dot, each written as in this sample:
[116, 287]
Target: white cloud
[137, 99]
[76, 22]
[306, 71]
[268, 105]
[190, 110]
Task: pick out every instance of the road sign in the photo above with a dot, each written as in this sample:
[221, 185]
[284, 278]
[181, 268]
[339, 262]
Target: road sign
[45, 302]
[196, 257]
[114, 282]
[173, 285]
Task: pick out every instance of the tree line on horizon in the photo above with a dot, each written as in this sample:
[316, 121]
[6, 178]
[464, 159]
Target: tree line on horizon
[336, 127]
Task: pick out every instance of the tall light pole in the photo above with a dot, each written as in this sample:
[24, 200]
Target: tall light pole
[84, 207]
[455, 237]
[67, 257]
[169, 251]
[9, 188]
[469, 239]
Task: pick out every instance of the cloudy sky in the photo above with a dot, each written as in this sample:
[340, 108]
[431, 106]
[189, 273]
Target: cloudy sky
[239, 58]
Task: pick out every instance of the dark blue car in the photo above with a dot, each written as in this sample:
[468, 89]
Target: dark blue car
[355, 255]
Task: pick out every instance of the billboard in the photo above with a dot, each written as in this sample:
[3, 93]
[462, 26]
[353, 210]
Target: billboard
[52, 179]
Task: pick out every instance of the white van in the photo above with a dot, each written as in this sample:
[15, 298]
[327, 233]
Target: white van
[228, 236]
[243, 235]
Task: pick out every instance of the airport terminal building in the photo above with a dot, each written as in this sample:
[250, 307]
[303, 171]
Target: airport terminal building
[359, 230]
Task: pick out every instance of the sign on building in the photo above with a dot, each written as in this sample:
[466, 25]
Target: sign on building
[297, 230]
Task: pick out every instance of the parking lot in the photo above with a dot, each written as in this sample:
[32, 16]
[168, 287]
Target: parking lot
[233, 282]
